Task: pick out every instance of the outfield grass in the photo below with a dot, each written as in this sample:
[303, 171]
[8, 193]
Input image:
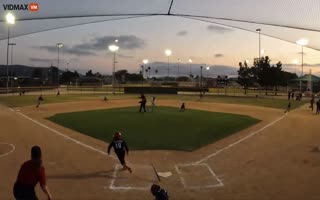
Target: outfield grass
[165, 128]
[17, 101]
[27, 100]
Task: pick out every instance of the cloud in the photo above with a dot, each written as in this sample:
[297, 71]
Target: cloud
[218, 55]
[305, 64]
[43, 60]
[182, 33]
[120, 55]
[69, 50]
[218, 29]
[89, 48]
[127, 42]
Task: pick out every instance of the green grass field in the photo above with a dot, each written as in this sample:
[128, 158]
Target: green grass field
[17, 101]
[165, 128]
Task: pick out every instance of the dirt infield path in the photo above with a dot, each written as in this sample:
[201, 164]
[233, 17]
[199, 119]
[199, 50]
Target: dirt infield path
[277, 163]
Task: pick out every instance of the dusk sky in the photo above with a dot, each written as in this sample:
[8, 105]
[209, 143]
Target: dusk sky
[86, 46]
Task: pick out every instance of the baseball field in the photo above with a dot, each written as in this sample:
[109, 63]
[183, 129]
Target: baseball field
[220, 148]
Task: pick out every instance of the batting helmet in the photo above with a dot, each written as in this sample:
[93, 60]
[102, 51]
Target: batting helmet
[117, 135]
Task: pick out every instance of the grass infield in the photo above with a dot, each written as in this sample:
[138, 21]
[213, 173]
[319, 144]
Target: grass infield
[165, 128]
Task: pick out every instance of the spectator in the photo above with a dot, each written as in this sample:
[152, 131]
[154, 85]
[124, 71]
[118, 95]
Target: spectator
[31, 172]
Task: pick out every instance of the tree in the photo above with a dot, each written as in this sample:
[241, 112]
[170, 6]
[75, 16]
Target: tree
[98, 75]
[89, 73]
[262, 72]
[277, 74]
[287, 77]
[245, 76]
[128, 77]
[183, 79]
[69, 76]
[36, 73]
[119, 74]
[268, 75]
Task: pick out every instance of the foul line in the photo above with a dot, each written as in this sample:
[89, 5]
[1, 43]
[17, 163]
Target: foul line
[200, 162]
[11, 151]
[239, 141]
[65, 136]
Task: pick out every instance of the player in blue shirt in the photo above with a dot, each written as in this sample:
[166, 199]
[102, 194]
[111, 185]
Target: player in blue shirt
[120, 148]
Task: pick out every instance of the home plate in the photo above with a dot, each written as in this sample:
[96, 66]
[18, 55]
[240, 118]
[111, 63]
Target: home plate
[196, 176]
[164, 174]
[141, 178]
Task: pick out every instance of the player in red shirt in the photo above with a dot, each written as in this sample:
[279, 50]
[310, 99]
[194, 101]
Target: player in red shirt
[31, 172]
[120, 148]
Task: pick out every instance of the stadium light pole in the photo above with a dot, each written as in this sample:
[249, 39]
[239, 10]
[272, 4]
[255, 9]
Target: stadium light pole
[295, 62]
[179, 60]
[190, 61]
[259, 32]
[168, 53]
[201, 77]
[145, 62]
[113, 48]
[12, 44]
[59, 45]
[302, 42]
[208, 69]
[10, 19]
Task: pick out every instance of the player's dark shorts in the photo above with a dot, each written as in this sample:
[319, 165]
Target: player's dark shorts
[23, 192]
[121, 155]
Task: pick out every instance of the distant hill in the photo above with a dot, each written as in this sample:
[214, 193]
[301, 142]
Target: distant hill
[19, 70]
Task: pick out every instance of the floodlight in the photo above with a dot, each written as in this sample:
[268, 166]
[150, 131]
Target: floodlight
[146, 61]
[303, 42]
[168, 52]
[10, 18]
[113, 48]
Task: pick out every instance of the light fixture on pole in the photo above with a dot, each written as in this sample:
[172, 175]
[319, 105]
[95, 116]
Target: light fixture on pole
[10, 19]
[302, 42]
[168, 53]
[259, 31]
[146, 61]
[113, 48]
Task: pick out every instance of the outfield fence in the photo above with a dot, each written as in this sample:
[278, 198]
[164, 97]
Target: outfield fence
[120, 89]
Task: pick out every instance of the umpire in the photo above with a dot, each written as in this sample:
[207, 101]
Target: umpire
[143, 103]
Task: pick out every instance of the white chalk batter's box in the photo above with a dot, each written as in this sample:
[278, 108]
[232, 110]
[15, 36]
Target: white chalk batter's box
[197, 176]
[141, 178]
